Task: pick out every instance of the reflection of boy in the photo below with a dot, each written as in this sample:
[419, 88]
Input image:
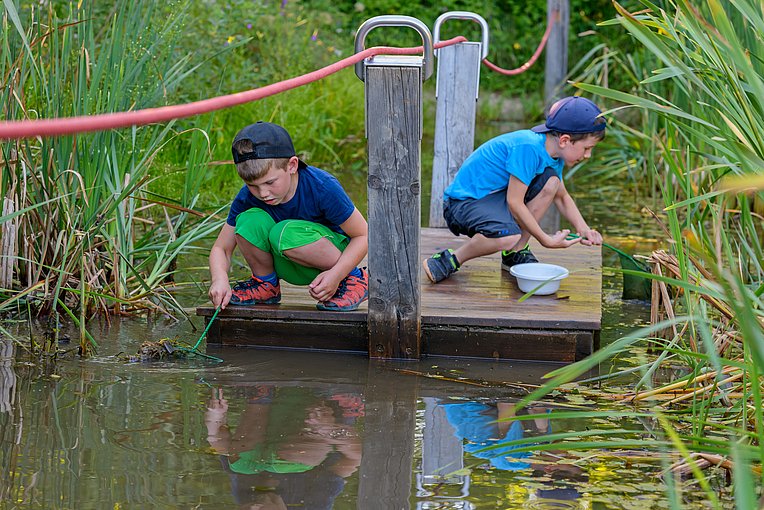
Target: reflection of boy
[290, 221]
[504, 188]
[288, 449]
[487, 427]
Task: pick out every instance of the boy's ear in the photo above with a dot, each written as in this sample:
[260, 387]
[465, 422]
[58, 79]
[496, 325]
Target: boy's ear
[563, 140]
[293, 165]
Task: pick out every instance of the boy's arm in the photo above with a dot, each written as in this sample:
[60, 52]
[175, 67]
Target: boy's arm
[569, 210]
[220, 264]
[516, 201]
[356, 228]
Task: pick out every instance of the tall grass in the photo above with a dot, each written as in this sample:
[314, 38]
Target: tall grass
[702, 108]
[80, 232]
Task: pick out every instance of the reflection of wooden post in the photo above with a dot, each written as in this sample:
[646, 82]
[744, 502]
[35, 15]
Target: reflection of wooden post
[554, 78]
[7, 375]
[442, 451]
[394, 120]
[388, 442]
[457, 89]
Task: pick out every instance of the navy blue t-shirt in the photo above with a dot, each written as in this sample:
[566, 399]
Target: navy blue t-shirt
[319, 198]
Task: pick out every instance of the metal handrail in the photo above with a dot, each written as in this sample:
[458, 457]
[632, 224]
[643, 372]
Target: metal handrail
[396, 21]
[467, 16]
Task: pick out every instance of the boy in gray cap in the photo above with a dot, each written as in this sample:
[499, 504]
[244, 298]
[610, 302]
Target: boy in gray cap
[290, 221]
[504, 188]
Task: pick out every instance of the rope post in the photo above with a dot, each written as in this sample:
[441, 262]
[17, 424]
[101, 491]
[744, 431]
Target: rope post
[554, 78]
[456, 92]
[393, 87]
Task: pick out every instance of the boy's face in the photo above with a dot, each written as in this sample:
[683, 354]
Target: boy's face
[572, 152]
[277, 185]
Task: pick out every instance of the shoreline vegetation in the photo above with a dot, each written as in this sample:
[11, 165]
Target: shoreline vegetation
[99, 224]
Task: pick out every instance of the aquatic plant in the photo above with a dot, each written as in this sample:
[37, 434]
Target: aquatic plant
[81, 233]
[701, 107]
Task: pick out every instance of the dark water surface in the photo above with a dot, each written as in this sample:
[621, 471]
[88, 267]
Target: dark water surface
[281, 430]
[288, 430]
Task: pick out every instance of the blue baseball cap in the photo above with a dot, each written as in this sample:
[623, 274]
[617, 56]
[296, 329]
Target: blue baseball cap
[269, 141]
[573, 115]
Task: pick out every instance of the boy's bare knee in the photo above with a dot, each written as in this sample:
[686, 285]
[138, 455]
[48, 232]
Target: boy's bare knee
[243, 244]
[551, 186]
[507, 243]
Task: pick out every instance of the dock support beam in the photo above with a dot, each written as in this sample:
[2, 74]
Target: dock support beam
[394, 133]
[393, 102]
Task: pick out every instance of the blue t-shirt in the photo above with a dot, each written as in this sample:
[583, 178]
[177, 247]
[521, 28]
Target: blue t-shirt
[476, 423]
[319, 198]
[488, 169]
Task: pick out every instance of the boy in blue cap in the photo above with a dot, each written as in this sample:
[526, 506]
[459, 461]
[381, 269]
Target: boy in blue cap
[504, 188]
[290, 221]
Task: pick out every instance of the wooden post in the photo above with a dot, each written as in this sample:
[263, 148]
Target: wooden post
[554, 78]
[556, 50]
[457, 92]
[393, 124]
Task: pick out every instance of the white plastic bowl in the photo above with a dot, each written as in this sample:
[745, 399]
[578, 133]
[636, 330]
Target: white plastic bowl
[530, 276]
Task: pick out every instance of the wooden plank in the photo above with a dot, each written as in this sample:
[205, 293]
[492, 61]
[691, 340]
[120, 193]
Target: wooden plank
[393, 111]
[293, 334]
[457, 89]
[482, 294]
[476, 312]
[558, 346]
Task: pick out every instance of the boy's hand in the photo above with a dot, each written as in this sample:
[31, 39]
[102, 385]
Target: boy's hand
[590, 237]
[323, 287]
[560, 240]
[217, 407]
[220, 294]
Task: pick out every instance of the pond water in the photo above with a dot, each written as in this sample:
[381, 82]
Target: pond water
[275, 430]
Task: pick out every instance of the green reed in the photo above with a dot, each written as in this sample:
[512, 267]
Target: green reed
[81, 233]
[695, 116]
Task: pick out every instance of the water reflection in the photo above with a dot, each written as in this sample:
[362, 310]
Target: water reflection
[277, 430]
[291, 448]
[484, 430]
[7, 375]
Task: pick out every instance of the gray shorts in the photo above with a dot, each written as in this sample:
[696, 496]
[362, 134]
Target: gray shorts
[490, 215]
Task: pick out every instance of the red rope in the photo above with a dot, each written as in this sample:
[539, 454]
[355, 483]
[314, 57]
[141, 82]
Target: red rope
[534, 57]
[86, 123]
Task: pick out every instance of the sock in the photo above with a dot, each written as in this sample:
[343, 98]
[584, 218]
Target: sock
[272, 278]
[453, 256]
[356, 272]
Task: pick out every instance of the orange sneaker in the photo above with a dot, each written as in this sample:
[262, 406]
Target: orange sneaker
[255, 292]
[352, 292]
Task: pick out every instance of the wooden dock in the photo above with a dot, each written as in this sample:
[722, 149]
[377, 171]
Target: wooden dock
[475, 313]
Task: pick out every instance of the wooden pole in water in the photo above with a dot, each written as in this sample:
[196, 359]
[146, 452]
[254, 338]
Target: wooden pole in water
[394, 131]
[554, 78]
[393, 109]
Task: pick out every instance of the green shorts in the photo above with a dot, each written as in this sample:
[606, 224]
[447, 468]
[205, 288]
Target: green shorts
[259, 229]
[263, 458]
